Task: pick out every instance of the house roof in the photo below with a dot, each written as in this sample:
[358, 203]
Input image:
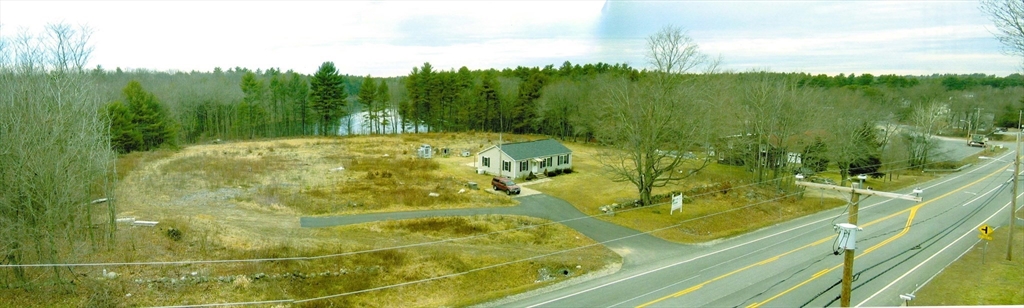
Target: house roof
[531, 149]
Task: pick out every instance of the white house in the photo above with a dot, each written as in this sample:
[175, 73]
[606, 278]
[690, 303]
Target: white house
[517, 160]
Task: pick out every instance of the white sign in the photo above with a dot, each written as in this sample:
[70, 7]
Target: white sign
[677, 204]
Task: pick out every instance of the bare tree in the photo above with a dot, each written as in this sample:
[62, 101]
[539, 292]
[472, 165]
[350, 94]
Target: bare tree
[654, 123]
[1008, 17]
[777, 115]
[53, 150]
[672, 52]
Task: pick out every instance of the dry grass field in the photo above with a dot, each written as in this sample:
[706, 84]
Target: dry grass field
[242, 200]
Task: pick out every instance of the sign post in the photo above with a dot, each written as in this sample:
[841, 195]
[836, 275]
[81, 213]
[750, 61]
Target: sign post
[986, 234]
[677, 204]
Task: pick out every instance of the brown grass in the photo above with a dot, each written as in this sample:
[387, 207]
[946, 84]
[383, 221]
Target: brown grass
[234, 282]
[242, 200]
[589, 176]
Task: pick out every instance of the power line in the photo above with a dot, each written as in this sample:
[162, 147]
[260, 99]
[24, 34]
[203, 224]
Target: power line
[525, 259]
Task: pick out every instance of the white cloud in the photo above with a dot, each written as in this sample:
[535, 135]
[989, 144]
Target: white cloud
[387, 38]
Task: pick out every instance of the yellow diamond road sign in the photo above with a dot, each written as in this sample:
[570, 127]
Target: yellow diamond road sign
[985, 230]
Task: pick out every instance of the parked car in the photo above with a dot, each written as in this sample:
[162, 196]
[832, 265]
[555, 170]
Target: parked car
[506, 184]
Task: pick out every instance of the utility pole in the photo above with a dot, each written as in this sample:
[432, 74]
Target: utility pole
[1013, 201]
[844, 299]
[854, 208]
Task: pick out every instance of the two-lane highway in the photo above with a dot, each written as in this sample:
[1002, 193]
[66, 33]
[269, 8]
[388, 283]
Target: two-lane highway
[797, 263]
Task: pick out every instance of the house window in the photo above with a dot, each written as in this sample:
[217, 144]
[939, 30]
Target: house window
[542, 163]
[564, 159]
[549, 160]
[524, 165]
[506, 165]
[486, 161]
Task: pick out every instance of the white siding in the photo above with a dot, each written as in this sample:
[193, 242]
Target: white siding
[496, 158]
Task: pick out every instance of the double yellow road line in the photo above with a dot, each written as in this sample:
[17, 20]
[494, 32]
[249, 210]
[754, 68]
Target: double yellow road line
[906, 228]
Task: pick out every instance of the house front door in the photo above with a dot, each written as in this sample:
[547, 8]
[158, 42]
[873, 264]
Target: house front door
[533, 166]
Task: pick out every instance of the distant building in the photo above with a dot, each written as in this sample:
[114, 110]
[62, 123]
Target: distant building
[517, 160]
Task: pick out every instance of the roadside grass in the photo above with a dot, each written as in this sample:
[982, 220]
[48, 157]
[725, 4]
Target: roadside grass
[968, 281]
[724, 197]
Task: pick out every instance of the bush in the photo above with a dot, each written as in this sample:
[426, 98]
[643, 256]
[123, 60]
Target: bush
[567, 170]
[531, 177]
[551, 173]
[174, 234]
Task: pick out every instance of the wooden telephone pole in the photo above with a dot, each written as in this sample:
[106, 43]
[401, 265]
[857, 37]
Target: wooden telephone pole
[1013, 200]
[854, 208]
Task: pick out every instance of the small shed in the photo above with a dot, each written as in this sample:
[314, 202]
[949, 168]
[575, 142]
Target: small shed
[517, 160]
[425, 151]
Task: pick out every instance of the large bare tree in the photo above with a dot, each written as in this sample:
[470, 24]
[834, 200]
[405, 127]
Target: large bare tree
[779, 117]
[1008, 17]
[655, 122]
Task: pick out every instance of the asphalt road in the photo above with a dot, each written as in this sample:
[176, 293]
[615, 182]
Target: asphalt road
[902, 245]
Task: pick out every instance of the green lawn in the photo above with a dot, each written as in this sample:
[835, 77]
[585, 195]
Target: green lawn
[968, 281]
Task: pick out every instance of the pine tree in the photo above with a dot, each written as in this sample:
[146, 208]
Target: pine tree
[367, 97]
[327, 97]
[124, 136]
[148, 117]
[383, 99]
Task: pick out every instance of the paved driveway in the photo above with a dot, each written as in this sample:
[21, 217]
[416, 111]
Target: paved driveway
[635, 247]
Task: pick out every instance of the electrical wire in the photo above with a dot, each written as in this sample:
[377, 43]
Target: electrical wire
[308, 258]
[421, 244]
[525, 259]
[917, 249]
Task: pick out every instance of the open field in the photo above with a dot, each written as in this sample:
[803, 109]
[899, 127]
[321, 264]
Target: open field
[241, 201]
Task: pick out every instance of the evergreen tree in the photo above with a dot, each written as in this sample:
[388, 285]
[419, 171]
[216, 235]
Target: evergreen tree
[367, 97]
[251, 114]
[124, 137]
[149, 117]
[383, 99]
[327, 98]
[298, 91]
[524, 114]
[489, 102]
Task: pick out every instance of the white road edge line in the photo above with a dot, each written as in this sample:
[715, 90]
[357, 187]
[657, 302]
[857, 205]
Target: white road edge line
[652, 291]
[1000, 210]
[728, 248]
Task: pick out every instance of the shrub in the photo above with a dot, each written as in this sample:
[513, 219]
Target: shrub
[531, 177]
[551, 173]
[174, 234]
[567, 170]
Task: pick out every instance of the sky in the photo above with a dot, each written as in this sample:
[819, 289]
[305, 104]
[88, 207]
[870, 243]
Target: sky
[389, 38]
